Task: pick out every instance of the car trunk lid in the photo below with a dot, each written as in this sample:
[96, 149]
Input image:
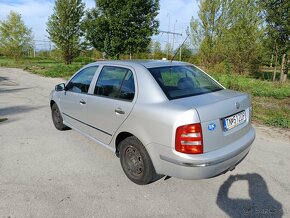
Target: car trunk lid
[213, 108]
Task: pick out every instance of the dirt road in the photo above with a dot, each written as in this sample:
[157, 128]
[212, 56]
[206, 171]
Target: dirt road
[47, 173]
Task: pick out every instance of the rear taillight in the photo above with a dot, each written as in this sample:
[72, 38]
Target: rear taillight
[188, 139]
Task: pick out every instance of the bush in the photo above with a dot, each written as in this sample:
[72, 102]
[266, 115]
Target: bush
[222, 68]
[278, 121]
[83, 60]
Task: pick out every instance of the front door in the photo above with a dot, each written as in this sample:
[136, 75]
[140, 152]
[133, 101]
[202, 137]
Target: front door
[74, 99]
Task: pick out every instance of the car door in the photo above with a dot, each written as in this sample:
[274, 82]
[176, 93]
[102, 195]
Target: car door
[111, 102]
[74, 99]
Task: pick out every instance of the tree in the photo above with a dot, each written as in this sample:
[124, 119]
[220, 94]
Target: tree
[185, 52]
[121, 27]
[276, 14]
[242, 37]
[15, 38]
[156, 50]
[228, 31]
[206, 31]
[64, 28]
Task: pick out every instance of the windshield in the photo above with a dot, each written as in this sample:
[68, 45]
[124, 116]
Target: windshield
[183, 81]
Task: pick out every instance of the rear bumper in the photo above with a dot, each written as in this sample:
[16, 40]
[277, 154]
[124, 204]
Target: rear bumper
[169, 162]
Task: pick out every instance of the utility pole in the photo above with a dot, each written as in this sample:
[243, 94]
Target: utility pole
[173, 37]
[49, 43]
[49, 48]
[168, 35]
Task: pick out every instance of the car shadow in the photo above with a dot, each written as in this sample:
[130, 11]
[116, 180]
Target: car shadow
[5, 120]
[6, 111]
[260, 204]
[2, 78]
[5, 91]
[5, 81]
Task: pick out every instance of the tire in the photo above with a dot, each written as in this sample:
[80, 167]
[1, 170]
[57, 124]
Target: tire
[136, 162]
[57, 118]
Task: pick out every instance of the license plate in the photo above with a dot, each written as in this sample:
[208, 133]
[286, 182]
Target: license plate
[234, 120]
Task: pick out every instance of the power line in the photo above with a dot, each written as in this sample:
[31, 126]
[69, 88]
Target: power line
[169, 32]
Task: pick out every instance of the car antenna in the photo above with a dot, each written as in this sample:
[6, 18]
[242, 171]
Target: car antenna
[179, 48]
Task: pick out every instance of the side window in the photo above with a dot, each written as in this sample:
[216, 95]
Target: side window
[116, 82]
[80, 83]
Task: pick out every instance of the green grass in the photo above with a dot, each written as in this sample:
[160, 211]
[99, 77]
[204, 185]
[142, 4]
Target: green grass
[255, 87]
[46, 66]
[271, 111]
[271, 100]
[54, 70]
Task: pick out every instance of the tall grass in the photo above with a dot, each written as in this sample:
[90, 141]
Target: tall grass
[271, 100]
[46, 66]
[254, 86]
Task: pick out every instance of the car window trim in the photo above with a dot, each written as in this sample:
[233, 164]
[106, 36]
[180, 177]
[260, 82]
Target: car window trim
[115, 98]
[79, 71]
[119, 91]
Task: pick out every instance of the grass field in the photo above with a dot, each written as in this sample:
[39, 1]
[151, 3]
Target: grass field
[46, 66]
[271, 100]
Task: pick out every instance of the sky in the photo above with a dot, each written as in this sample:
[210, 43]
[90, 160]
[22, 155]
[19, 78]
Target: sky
[174, 15]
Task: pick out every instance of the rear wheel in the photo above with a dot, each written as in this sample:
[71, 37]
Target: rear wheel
[57, 118]
[136, 162]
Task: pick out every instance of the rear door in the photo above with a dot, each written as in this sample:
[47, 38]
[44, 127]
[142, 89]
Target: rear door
[111, 102]
[74, 99]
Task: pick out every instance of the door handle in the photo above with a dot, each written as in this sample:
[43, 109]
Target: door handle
[82, 102]
[119, 111]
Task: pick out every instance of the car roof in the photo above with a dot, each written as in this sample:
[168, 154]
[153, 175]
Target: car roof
[145, 63]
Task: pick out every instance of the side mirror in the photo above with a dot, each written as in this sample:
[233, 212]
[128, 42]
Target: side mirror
[60, 87]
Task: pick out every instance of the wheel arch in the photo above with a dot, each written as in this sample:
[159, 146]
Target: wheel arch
[153, 174]
[120, 137]
[52, 102]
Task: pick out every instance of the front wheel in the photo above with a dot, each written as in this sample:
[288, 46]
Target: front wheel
[136, 161]
[57, 118]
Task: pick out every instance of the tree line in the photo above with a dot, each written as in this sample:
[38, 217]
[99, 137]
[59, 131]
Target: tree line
[229, 35]
[241, 35]
[115, 27]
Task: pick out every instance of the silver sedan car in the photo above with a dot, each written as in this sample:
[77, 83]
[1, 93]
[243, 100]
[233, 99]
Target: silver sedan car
[159, 117]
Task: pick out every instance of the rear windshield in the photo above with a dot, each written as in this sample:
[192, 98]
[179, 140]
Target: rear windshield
[183, 81]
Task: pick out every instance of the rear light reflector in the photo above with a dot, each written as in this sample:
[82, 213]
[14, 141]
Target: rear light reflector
[188, 139]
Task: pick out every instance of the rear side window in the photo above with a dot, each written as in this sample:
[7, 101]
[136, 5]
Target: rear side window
[183, 81]
[116, 82]
[80, 83]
